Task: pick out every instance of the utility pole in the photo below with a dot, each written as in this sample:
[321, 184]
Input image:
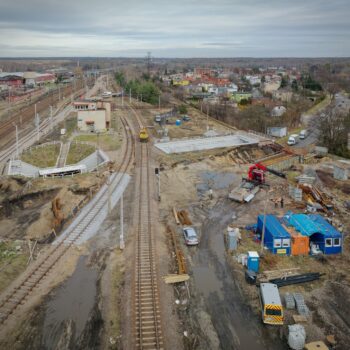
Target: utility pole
[264, 224]
[122, 98]
[37, 124]
[17, 151]
[121, 238]
[157, 172]
[51, 118]
[159, 102]
[109, 194]
[207, 117]
[129, 95]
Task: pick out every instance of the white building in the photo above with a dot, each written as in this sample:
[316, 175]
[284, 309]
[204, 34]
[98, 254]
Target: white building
[93, 116]
[278, 111]
[253, 79]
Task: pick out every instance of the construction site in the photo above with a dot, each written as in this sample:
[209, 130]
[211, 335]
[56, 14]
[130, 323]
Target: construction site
[125, 225]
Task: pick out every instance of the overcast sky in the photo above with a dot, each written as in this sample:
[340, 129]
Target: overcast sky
[178, 28]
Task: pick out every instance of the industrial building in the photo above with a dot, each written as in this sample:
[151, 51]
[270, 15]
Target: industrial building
[341, 170]
[93, 116]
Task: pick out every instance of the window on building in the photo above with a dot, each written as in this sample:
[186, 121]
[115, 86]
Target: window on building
[336, 242]
[286, 242]
[277, 243]
[328, 242]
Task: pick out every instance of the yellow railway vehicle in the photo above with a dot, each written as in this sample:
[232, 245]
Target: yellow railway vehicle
[143, 135]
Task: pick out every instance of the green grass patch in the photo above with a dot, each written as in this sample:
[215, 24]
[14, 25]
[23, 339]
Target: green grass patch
[78, 151]
[42, 156]
[319, 106]
[12, 263]
[107, 142]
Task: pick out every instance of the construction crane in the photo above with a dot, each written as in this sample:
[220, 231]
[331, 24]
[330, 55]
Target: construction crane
[256, 173]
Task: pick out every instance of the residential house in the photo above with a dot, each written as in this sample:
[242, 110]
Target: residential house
[278, 111]
[284, 95]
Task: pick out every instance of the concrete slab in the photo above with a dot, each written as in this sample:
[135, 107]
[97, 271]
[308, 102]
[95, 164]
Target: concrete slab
[97, 209]
[192, 145]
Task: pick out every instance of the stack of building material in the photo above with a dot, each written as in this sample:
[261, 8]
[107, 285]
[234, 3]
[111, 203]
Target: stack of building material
[304, 179]
[301, 306]
[296, 193]
[296, 337]
[290, 302]
[184, 218]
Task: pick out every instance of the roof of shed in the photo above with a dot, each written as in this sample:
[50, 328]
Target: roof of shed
[274, 226]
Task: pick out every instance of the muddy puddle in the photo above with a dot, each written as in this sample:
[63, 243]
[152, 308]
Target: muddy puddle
[236, 325]
[215, 180]
[69, 308]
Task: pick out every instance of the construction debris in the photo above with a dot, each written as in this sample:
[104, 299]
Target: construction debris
[267, 276]
[56, 209]
[184, 218]
[180, 258]
[176, 217]
[316, 345]
[175, 278]
[299, 319]
[286, 281]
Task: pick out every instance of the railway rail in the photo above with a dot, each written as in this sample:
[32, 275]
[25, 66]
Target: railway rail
[147, 316]
[25, 117]
[31, 279]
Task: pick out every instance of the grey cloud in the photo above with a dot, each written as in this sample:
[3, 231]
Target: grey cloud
[192, 27]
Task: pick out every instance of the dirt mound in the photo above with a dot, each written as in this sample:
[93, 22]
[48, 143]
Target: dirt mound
[332, 311]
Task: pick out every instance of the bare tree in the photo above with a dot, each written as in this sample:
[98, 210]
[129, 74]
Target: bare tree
[334, 129]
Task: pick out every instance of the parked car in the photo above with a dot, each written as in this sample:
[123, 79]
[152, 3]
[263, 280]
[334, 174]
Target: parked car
[293, 139]
[190, 235]
[303, 134]
[186, 118]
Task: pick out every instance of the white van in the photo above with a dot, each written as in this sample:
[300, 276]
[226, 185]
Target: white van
[302, 134]
[293, 139]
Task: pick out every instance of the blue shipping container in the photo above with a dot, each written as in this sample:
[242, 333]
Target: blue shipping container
[276, 237]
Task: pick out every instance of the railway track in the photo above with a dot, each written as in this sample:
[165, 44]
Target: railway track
[148, 328]
[25, 117]
[28, 139]
[21, 289]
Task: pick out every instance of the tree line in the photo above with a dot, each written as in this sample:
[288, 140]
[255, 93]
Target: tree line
[143, 88]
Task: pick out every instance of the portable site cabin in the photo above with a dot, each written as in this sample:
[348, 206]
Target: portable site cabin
[300, 245]
[276, 237]
[332, 237]
[322, 234]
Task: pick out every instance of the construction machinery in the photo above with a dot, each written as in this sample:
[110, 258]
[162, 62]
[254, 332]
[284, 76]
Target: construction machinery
[249, 186]
[256, 173]
[143, 135]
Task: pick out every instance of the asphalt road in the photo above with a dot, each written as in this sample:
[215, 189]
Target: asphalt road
[340, 104]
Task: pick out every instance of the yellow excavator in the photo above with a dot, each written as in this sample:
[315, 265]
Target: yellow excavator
[143, 135]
